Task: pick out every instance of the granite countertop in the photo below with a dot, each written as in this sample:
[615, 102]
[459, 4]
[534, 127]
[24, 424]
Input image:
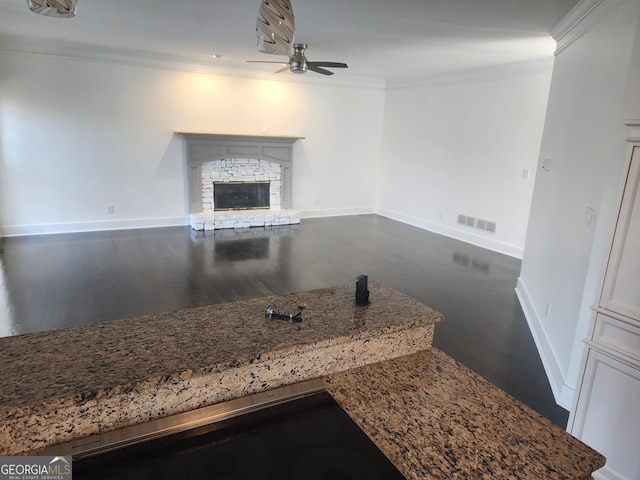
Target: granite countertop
[62, 385]
[436, 419]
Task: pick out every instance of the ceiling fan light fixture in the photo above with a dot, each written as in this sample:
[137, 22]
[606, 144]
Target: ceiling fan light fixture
[275, 27]
[54, 8]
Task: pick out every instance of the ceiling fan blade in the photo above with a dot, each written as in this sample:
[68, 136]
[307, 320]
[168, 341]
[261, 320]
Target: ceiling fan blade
[285, 66]
[317, 69]
[262, 61]
[328, 64]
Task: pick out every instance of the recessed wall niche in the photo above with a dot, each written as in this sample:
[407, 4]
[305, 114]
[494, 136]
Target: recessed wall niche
[203, 148]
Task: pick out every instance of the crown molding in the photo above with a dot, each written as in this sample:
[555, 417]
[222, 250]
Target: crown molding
[581, 19]
[474, 75]
[181, 63]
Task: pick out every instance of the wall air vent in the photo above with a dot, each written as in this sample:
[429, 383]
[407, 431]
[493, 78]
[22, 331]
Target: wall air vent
[478, 223]
[486, 225]
[466, 220]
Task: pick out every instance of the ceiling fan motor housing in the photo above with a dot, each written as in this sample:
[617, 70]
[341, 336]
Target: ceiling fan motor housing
[298, 62]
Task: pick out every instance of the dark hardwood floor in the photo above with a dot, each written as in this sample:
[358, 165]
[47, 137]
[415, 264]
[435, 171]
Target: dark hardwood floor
[56, 281]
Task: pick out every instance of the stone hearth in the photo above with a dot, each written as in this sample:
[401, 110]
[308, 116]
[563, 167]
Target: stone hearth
[238, 158]
[243, 219]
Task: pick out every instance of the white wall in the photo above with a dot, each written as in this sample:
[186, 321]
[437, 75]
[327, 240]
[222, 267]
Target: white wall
[79, 135]
[460, 147]
[594, 88]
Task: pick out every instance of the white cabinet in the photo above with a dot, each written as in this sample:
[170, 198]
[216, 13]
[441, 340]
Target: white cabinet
[621, 291]
[606, 412]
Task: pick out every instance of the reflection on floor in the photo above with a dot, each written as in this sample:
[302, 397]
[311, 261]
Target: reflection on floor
[57, 281]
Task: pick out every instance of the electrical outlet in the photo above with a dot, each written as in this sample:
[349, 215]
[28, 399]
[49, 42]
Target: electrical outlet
[111, 209]
[590, 218]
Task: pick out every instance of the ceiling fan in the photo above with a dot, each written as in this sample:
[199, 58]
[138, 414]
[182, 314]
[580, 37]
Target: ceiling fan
[275, 32]
[298, 62]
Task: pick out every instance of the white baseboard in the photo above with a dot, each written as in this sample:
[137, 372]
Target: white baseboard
[43, 229]
[562, 392]
[458, 234]
[336, 212]
[608, 473]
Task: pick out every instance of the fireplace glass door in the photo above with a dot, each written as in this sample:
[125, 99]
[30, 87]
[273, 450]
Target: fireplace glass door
[240, 195]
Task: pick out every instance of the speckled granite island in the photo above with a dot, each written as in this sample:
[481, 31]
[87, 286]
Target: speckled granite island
[67, 384]
[432, 417]
[435, 419]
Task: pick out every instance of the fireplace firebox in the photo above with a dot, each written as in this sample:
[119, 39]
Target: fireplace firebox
[241, 195]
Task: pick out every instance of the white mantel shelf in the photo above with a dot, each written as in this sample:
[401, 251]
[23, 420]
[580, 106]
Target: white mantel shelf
[241, 138]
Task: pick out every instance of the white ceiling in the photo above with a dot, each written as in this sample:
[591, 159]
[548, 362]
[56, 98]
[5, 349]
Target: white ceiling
[378, 39]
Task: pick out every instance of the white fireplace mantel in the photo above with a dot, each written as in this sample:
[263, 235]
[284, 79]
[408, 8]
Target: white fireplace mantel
[205, 147]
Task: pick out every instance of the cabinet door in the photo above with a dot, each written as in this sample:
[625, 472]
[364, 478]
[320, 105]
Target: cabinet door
[616, 337]
[608, 415]
[621, 292]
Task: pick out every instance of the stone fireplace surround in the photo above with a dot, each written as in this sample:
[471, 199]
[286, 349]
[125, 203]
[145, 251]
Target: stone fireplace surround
[221, 157]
